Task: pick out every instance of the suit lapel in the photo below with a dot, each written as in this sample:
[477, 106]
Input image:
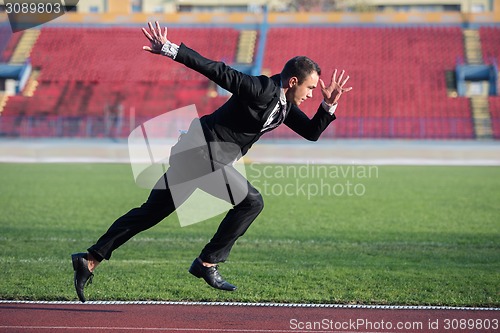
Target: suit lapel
[279, 116]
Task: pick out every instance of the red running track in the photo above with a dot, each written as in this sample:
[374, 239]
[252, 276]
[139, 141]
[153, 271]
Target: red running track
[43, 317]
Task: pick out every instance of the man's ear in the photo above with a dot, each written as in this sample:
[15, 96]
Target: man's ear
[293, 81]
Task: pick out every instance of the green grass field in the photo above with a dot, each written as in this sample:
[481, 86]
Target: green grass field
[395, 235]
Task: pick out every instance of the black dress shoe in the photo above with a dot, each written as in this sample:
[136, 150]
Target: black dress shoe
[210, 275]
[82, 273]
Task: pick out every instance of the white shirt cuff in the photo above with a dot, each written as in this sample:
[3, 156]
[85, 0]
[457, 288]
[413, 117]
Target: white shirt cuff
[328, 108]
[170, 49]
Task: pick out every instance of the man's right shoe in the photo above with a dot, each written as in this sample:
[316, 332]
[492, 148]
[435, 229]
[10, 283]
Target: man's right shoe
[210, 275]
[82, 273]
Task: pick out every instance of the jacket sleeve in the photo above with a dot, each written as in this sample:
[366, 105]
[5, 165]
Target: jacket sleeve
[240, 84]
[309, 129]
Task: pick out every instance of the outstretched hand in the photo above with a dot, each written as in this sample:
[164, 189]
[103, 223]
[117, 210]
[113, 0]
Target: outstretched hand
[335, 89]
[156, 37]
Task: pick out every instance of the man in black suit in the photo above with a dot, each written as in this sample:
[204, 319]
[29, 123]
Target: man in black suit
[258, 105]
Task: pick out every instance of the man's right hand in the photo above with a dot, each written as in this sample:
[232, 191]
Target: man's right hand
[156, 37]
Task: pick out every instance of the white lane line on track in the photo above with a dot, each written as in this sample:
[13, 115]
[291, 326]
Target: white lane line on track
[171, 329]
[284, 305]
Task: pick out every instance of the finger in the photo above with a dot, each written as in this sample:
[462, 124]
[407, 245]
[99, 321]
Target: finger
[322, 84]
[147, 48]
[343, 83]
[153, 32]
[347, 89]
[165, 33]
[334, 76]
[146, 33]
[158, 27]
[341, 75]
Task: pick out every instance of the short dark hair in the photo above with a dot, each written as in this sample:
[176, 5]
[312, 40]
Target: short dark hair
[300, 67]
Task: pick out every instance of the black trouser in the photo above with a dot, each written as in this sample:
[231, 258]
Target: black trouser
[160, 204]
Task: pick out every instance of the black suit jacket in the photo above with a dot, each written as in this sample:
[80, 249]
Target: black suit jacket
[241, 119]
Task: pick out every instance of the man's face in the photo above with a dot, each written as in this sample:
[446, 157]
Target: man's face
[297, 93]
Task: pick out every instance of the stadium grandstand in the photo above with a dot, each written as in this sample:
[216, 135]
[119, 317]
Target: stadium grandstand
[419, 69]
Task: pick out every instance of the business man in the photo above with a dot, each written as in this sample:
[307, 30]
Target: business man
[258, 104]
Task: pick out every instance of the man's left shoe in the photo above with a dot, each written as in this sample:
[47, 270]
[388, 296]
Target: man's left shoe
[82, 273]
[210, 275]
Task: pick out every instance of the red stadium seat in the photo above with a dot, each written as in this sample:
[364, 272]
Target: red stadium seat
[397, 74]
